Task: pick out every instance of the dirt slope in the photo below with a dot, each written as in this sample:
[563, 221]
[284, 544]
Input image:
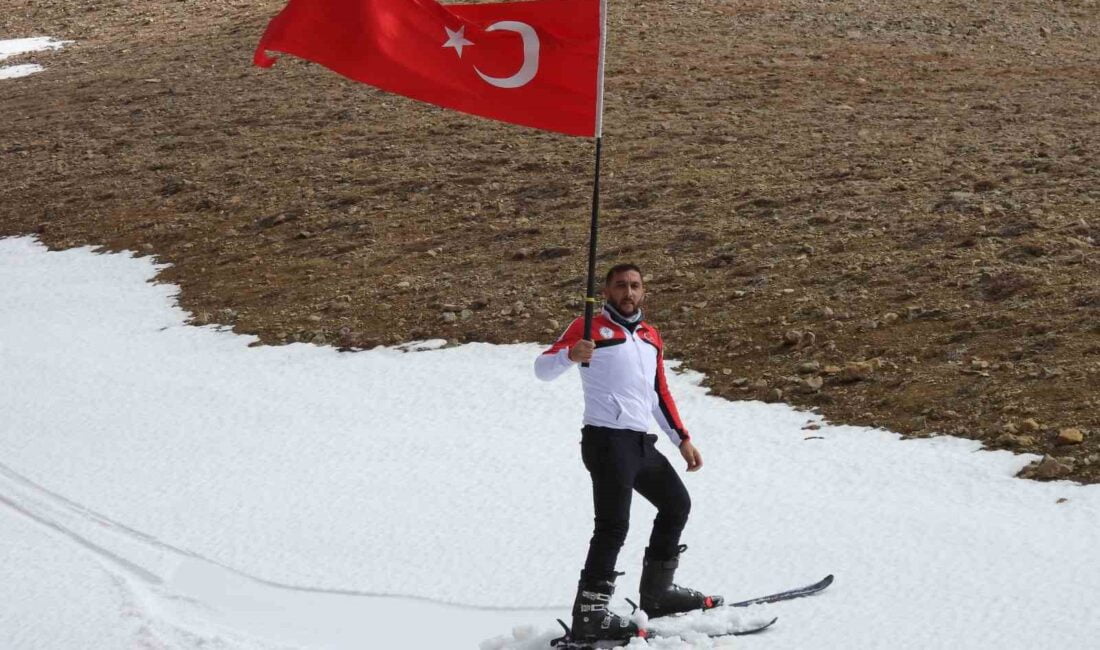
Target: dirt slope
[885, 211]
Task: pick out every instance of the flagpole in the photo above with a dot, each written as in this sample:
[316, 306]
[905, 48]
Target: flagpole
[590, 295]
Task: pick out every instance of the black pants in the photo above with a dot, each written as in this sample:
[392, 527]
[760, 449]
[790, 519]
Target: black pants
[619, 462]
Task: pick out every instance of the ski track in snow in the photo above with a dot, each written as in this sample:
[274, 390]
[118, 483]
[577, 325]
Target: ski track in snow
[181, 599]
[223, 496]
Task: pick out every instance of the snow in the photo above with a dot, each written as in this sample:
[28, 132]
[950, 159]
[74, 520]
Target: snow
[15, 71]
[165, 485]
[12, 47]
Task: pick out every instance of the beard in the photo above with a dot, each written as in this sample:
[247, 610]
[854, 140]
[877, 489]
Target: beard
[629, 309]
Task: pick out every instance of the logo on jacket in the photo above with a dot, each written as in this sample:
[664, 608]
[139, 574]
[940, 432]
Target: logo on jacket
[606, 332]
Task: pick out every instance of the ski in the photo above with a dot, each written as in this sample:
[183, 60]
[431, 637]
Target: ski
[566, 642]
[787, 595]
[716, 601]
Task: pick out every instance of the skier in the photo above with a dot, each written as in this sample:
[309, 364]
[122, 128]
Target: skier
[624, 386]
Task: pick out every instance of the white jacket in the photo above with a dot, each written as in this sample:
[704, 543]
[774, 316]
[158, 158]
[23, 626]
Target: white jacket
[624, 385]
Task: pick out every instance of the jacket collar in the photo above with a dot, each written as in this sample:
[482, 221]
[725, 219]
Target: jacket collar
[630, 323]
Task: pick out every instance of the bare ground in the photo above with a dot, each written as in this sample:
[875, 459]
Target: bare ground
[883, 211]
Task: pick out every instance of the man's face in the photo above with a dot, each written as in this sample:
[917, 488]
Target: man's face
[625, 292]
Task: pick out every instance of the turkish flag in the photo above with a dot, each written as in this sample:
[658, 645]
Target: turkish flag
[534, 63]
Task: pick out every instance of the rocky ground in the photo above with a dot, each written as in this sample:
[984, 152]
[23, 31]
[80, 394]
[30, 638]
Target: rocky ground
[886, 212]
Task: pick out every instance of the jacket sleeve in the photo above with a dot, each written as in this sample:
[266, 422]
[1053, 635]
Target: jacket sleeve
[665, 412]
[553, 362]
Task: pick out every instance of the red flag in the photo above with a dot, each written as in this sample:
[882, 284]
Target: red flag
[536, 63]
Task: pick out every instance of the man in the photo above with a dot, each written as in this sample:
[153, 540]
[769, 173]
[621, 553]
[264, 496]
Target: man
[624, 387]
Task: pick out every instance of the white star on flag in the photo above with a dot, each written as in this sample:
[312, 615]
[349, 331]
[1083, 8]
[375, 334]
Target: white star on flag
[457, 40]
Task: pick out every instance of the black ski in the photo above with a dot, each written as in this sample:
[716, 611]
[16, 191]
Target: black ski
[790, 594]
[787, 595]
[568, 643]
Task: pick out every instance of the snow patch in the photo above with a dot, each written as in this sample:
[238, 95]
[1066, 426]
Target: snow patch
[15, 71]
[15, 46]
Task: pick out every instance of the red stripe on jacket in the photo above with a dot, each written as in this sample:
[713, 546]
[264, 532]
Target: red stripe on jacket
[668, 405]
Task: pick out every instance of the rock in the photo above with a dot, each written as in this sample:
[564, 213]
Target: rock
[854, 371]
[1050, 373]
[466, 314]
[518, 307]
[741, 381]
[403, 285]
[1047, 468]
[479, 303]
[1030, 424]
[811, 384]
[957, 202]
[890, 318]
[727, 371]
[775, 395]
[173, 185]
[521, 254]
[1018, 442]
[792, 337]
[274, 220]
[808, 367]
[554, 252]
[227, 315]
[348, 338]
[718, 261]
[449, 317]
[1070, 436]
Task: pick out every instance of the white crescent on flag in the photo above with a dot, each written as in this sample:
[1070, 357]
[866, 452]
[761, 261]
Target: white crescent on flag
[530, 65]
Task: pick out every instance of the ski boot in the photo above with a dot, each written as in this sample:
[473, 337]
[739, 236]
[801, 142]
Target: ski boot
[592, 620]
[660, 597]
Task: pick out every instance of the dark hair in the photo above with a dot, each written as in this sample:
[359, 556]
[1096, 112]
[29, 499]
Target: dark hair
[620, 268]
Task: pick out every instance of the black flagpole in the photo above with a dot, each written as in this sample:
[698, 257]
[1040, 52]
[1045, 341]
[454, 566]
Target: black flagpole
[590, 296]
